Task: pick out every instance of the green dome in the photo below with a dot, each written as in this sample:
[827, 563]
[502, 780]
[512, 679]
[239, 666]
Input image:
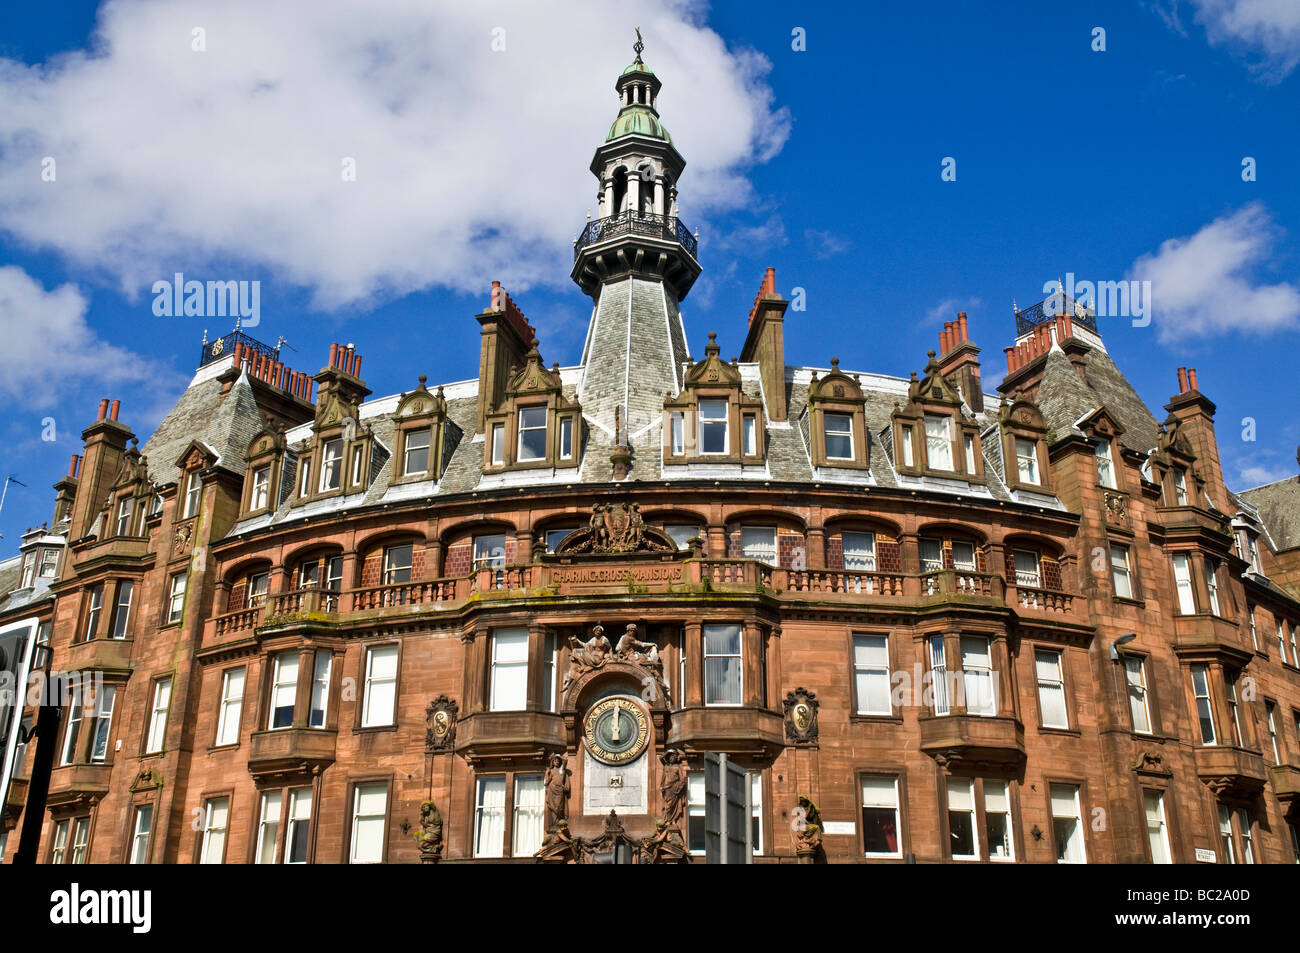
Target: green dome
[637, 120]
[636, 66]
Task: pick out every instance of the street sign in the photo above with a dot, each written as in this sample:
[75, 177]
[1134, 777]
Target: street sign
[727, 812]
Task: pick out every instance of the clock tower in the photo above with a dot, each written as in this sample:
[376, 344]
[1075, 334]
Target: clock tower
[637, 261]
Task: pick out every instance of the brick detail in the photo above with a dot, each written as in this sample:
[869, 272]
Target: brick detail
[457, 561]
[372, 568]
[889, 555]
[835, 552]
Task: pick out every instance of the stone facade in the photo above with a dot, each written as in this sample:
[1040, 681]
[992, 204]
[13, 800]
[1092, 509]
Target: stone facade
[1036, 624]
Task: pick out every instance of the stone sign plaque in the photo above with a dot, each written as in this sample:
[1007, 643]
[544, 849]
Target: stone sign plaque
[607, 787]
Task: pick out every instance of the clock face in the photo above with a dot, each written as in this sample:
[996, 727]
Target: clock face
[616, 730]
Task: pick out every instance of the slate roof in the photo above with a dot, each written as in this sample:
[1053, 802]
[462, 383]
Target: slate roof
[1279, 509]
[1064, 398]
[228, 426]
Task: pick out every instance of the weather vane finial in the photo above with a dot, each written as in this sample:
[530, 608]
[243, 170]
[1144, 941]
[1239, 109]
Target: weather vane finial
[639, 45]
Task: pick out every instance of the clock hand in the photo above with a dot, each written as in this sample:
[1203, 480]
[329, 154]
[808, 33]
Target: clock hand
[614, 737]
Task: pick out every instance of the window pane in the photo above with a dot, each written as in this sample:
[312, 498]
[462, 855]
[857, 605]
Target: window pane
[1066, 824]
[1137, 694]
[268, 828]
[839, 436]
[1156, 834]
[859, 551]
[938, 443]
[490, 817]
[1051, 689]
[509, 669]
[532, 433]
[713, 426]
[1027, 460]
[529, 819]
[871, 674]
[722, 665]
[961, 818]
[381, 685]
[880, 815]
[490, 551]
[368, 823]
[759, 542]
[417, 451]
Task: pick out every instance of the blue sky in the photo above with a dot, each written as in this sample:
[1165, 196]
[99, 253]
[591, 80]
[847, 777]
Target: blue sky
[471, 132]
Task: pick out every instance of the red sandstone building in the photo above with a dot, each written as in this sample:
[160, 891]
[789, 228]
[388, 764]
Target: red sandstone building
[307, 611]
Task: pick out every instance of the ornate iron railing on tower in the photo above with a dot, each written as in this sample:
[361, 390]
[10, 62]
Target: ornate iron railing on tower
[222, 347]
[1050, 308]
[632, 223]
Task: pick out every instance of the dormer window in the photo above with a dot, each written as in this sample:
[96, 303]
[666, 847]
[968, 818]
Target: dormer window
[532, 434]
[839, 436]
[331, 468]
[416, 456]
[125, 509]
[1105, 468]
[749, 433]
[909, 457]
[358, 459]
[498, 444]
[938, 443]
[261, 487]
[713, 426]
[566, 438]
[1027, 460]
[1179, 477]
[29, 570]
[193, 491]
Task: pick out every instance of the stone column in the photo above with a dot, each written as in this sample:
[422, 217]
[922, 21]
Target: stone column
[693, 696]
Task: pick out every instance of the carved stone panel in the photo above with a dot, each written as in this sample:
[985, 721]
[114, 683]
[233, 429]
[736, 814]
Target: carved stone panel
[440, 721]
[801, 718]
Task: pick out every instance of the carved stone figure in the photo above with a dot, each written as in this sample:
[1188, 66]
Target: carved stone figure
[429, 837]
[617, 528]
[631, 649]
[557, 792]
[807, 831]
[586, 656]
[559, 847]
[672, 786]
[665, 846]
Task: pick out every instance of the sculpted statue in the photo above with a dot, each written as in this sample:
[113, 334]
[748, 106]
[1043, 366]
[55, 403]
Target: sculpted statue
[618, 528]
[672, 786]
[559, 847]
[807, 828]
[664, 846]
[630, 649]
[557, 792]
[596, 527]
[429, 837]
[585, 656]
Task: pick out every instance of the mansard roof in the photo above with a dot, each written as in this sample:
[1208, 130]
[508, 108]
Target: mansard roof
[1279, 509]
[226, 426]
[1065, 399]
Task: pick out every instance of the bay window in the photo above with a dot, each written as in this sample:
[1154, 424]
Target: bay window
[125, 508]
[101, 722]
[938, 675]
[490, 817]
[977, 675]
[284, 689]
[1204, 709]
[94, 607]
[122, 609]
[1212, 583]
[509, 676]
[529, 815]
[1183, 584]
[723, 672]
[1180, 486]
[963, 842]
[320, 688]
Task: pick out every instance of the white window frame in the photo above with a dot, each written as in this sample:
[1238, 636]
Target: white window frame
[1212, 583]
[1105, 464]
[1025, 577]
[863, 806]
[940, 701]
[125, 509]
[141, 831]
[319, 699]
[966, 787]
[498, 445]
[488, 556]
[1180, 486]
[909, 454]
[753, 548]
[215, 828]
[96, 606]
[1053, 682]
[360, 792]
[978, 682]
[1158, 836]
[283, 685]
[938, 447]
[485, 811]
[528, 816]
[677, 432]
[261, 488]
[101, 723]
[1121, 573]
[380, 680]
[393, 568]
[162, 699]
[176, 599]
[749, 434]
[1077, 839]
[858, 550]
[1027, 462]
[1139, 703]
[231, 706]
[1204, 704]
[1183, 584]
[705, 420]
[331, 465]
[193, 494]
[509, 671]
[566, 438]
[1009, 829]
[524, 428]
[738, 664]
[841, 434]
[870, 668]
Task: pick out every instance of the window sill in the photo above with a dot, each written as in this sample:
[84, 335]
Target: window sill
[1062, 732]
[859, 718]
[233, 746]
[372, 729]
[1129, 601]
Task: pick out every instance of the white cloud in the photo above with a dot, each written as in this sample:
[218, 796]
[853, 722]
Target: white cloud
[825, 244]
[946, 310]
[1252, 476]
[471, 163]
[1206, 284]
[1266, 31]
[49, 350]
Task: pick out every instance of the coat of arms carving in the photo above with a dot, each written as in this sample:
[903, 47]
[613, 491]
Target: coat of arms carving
[801, 717]
[440, 724]
[616, 528]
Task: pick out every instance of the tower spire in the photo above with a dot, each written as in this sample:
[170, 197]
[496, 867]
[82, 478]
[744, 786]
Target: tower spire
[639, 46]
